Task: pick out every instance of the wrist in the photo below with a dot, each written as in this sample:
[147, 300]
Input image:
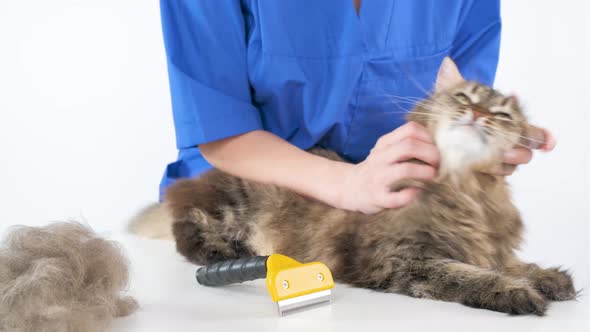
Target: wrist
[333, 190]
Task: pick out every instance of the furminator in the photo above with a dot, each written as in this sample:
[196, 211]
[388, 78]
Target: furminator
[292, 285]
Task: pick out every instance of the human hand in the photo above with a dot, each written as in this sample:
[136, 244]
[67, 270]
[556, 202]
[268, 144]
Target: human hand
[367, 185]
[523, 155]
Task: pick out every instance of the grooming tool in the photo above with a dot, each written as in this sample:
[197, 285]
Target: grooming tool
[292, 285]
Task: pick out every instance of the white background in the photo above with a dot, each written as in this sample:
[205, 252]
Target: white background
[86, 125]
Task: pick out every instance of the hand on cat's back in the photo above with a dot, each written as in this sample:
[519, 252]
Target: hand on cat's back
[367, 185]
[523, 155]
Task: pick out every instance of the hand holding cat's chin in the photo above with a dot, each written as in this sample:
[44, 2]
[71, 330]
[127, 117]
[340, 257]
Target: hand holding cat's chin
[520, 156]
[366, 187]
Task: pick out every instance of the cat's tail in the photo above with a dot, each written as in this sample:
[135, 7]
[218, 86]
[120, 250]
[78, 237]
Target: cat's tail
[154, 222]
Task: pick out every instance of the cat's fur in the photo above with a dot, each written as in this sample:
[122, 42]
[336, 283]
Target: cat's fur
[456, 242]
[62, 277]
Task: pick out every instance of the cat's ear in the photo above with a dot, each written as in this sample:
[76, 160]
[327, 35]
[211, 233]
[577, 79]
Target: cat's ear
[510, 101]
[448, 76]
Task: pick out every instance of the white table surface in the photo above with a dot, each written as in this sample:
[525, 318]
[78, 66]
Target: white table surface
[171, 300]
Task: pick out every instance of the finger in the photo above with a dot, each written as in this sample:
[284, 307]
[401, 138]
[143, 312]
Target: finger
[533, 138]
[411, 149]
[502, 170]
[400, 198]
[409, 130]
[550, 141]
[538, 138]
[415, 171]
[371, 209]
[518, 156]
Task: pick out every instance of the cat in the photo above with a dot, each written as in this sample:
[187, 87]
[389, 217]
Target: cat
[456, 242]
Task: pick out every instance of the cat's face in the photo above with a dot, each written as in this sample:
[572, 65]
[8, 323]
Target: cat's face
[472, 124]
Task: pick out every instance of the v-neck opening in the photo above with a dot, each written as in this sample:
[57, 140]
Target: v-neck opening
[357, 4]
[357, 7]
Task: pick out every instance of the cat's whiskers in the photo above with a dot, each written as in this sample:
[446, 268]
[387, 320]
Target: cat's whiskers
[385, 94]
[437, 112]
[417, 101]
[518, 135]
[417, 84]
[439, 108]
[397, 102]
[413, 112]
[408, 98]
[411, 99]
[426, 104]
[509, 135]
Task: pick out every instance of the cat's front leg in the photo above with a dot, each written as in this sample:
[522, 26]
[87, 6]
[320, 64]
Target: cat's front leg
[554, 284]
[450, 280]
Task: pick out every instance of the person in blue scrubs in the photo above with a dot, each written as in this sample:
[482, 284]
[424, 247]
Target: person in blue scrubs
[255, 83]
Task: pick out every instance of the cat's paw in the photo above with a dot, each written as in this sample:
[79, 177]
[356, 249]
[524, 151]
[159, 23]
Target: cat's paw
[554, 284]
[522, 301]
[515, 300]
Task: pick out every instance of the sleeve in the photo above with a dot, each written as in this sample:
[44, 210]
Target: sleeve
[477, 43]
[205, 44]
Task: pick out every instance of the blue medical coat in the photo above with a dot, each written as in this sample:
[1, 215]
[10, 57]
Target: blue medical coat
[313, 71]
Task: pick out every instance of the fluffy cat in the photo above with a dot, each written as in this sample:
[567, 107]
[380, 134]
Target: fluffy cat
[456, 242]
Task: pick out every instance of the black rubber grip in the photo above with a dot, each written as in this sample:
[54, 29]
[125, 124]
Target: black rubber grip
[233, 271]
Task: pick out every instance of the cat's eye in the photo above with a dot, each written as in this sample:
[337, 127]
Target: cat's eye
[462, 98]
[503, 115]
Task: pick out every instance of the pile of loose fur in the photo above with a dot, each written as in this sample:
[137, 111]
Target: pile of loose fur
[61, 277]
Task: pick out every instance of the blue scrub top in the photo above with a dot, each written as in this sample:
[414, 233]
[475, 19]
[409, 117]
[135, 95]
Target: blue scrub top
[313, 72]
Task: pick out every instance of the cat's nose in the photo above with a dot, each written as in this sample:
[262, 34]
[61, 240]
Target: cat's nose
[477, 114]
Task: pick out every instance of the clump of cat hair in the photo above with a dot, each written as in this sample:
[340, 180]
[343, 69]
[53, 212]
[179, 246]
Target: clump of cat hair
[61, 277]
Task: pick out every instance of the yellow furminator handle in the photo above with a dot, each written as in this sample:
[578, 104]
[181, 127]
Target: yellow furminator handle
[287, 278]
